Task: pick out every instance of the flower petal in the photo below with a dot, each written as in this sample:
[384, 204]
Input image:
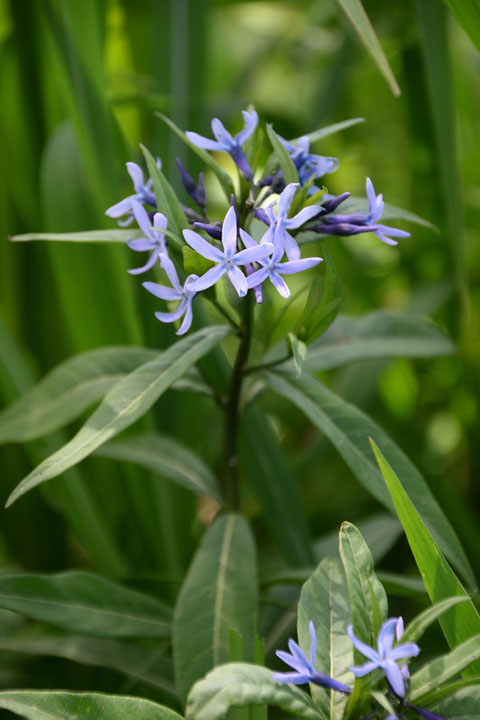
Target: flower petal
[319, 678]
[257, 277]
[120, 208]
[149, 264]
[142, 218]
[404, 651]
[209, 278]
[361, 670]
[141, 244]
[162, 291]
[393, 231]
[252, 254]
[205, 143]
[279, 284]
[175, 315]
[303, 216]
[204, 248]
[221, 133]
[247, 239]
[288, 243]
[362, 647]
[386, 636]
[229, 232]
[394, 677]
[238, 280]
[295, 266]
[187, 320]
[136, 173]
[160, 221]
[292, 661]
[251, 122]
[372, 198]
[170, 271]
[285, 199]
[291, 678]
[313, 645]
[384, 238]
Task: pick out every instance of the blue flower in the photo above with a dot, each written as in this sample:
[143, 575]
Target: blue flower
[279, 223]
[423, 712]
[228, 260]
[185, 294]
[356, 223]
[154, 239]
[272, 268]
[226, 143]
[304, 668]
[143, 194]
[385, 656]
[196, 192]
[306, 163]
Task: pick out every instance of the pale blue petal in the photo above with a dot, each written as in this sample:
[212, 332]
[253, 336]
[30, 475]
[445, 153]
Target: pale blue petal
[162, 291]
[187, 320]
[221, 133]
[313, 646]
[205, 143]
[170, 271]
[136, 173]
[251, 122]
[259, 252]
[285, 199]
[393, 231]
[141, 244]
[384, 238]
[291, 678]
[257, 277]
[290, 246]
[279, 284]
[142, 218]
[303, 144]
[149, 264]
[297, 651]
[238, 280]
[399, 630]
[361, 670]
[287, 144]
[247, 239]
[292, 661]
[395, 678]
[404, 651]
[203, 247]
[160, 221]
[386, 636]
[175, 315]
[209, 278]
[294, 266]
[362, 647]
[303, 216]
[229, 232]
[372, 198]
[121, 208]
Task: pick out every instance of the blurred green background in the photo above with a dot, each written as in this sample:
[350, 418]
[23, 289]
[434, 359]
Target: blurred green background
[79, 85]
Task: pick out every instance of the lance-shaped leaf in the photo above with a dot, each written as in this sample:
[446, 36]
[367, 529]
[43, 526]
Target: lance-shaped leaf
[125, 403]
[167, 201]
[86, 603]
[86, 236]
[147, 665]
[368, 599]
[69, 389]
[324, 600]
[219, 593]
[238, 685]
[420, 623]
[460, 622]
[359, 19]
[443, 668]
[467, 12]
[289, 171]
[349, 430]
[376, 335]
[331, 129]
[59, 705]
[167, 457]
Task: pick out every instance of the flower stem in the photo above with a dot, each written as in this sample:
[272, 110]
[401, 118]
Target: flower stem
[230, 478]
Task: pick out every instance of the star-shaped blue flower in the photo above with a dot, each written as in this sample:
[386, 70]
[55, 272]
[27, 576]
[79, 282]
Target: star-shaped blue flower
[308, 164]
[226, 262]
[385, 656]
[185, 294]
[225, 142]
[143, 194]
[154, 239]
[279, 223]
[305, 668]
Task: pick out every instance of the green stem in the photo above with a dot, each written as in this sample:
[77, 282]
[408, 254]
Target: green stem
[230, 478]
[267, 366]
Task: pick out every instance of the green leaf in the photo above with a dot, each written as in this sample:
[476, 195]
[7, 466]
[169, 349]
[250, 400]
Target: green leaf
[219, 593]
[87, 236]
[363, 27]
[140, 663]
[321, 307]
[287, 167]
[59, 705]
[272, 481]
[330, 129]
[222, 177]
[87, 603]
[471, 685]
[443, 668]
[467, 12]
[417, 626]
[167, 200]
[125, 403]
[299, 352]
[167, 457]
[402, 585]
[324, 600]
[432, 21]
[376, 335]
[367, 594]
[241, 685]
[69, 389]
[380, 531]
[461, 621]
[349, 430]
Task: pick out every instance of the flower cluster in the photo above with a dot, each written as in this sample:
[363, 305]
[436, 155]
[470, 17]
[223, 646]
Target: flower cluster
[285, 210]
[384, 657]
